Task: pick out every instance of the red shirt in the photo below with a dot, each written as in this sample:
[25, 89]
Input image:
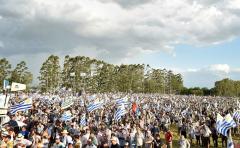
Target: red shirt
[168, 137]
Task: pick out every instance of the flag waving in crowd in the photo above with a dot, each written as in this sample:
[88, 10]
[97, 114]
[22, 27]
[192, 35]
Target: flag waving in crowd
[94, 106]
[121, 111]
[83, 121]
[225, 124]
[23, 106]
[94, 118]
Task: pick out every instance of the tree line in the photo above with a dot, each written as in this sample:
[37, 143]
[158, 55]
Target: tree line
[225, 87]
[93, 75]
[80, 72]
[20, 73]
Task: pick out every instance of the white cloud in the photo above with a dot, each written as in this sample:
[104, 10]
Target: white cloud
[113, 30]
[207, 76]
[224, 68]
[41, 26]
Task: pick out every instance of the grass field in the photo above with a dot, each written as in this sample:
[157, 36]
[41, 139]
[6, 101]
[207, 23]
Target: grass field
[176, 137]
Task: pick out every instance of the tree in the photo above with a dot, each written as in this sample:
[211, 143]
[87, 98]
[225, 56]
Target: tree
[21, 74]
[50, 77]
[5, 70]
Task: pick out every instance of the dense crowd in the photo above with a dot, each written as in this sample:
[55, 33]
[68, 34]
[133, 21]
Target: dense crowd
[148, 121]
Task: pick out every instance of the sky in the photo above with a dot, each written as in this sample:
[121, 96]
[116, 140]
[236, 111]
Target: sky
[198, 38]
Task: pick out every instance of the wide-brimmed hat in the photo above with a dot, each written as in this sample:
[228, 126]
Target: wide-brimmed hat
[5, 134]
[20, 137]
[64, 132]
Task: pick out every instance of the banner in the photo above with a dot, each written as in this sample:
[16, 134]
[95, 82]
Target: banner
[17, 86]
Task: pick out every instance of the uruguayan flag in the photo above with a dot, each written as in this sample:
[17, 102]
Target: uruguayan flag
[23, 106]
[67, 116]
[237, 115]
[83, 121]
[121, 111]
[122, 101]
[223, 125]
[94, 106]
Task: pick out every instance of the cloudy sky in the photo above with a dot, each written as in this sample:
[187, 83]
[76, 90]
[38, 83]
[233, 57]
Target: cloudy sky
[199, 39]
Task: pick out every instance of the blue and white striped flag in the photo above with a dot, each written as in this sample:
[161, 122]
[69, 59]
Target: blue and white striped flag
[122, 101]
[23, 106]
[224, 124]
[94, 106]
[67, 116]
[237, 115]
[83, 121]
[121, 111]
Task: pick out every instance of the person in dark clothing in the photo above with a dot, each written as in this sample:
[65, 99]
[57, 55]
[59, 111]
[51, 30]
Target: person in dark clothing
[158, 143]
[184, 130]
[214, 136]
[224, 141]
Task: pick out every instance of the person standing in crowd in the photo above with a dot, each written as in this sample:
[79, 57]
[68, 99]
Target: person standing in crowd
[184, 129]
[191, 134]
[184, 143]
[21, 142]
[66, 139]
[214, 135]
[34, 137]
[206, 132]
[168, 138]
[58, 143]
[139, 138]
[90, 144]
[158, 143]
[114, 143]
[78, 143]
[148, 140]
[6, 140]
[198, 135]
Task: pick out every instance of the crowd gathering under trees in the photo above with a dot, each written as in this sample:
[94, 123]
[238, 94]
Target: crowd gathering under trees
[98, 76]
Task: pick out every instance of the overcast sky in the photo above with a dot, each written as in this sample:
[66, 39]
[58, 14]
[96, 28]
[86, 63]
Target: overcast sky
[199, 39]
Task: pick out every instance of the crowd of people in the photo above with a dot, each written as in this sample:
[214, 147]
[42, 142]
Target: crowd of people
[148, 121]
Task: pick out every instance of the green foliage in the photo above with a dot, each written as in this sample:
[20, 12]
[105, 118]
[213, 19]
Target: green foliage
[103, 77]
[50, 77]
[227, 87]
[21, 74]
[5, 70]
